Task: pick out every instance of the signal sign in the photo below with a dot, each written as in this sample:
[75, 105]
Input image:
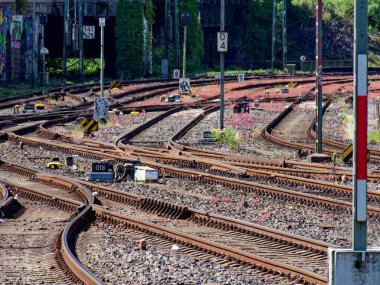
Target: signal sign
[222, 41]
[241, 77]
[102, 22]
[176, 73]
[88, 125]
[184, 85]
[101, 108]
[115, 84]
[348, 152]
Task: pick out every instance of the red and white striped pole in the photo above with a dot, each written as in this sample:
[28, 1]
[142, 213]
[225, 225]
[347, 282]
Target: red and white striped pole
[360, 128]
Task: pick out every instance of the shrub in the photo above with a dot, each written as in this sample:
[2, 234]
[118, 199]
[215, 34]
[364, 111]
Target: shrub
[228, 136]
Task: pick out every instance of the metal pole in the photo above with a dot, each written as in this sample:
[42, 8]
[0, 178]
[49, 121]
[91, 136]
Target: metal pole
[101, 60]
[273, 34]
[34, 46]
[284, 35]
[222, 5]
[164, 67]
[80, 35]
[65, 31]
[318, 55]
[184, 52]
[176, 23]
[359, 236]
[43, 56]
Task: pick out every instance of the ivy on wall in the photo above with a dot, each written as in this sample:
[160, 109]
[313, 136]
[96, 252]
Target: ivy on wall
[129, 38]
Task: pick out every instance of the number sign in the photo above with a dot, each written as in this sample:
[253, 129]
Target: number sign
[222, 41]
[176, 73]
[100, 167]
[102, 22]
[241, 77]
[184, 85]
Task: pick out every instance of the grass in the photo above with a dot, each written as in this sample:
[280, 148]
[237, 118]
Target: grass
[374, 137]
[54, 102]
[19, 89]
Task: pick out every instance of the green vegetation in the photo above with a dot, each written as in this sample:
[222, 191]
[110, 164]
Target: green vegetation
[54, 66]
[18, 89]
[20, 6]
[374, 137]
[129, 38]
[194, 54]
[228, 136]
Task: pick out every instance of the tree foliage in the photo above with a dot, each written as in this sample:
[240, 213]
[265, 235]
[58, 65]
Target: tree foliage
[194, 53]
[129, 38]
[257, 33]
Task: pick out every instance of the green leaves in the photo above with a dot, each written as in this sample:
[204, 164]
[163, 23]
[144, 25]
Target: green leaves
[227, 136]
[129, 38]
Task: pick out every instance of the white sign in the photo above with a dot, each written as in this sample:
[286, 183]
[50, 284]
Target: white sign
[222, 41]
[176, 73]
[88, 32]
[184, 85]
[218, 76]
[101, 108]
[240, 77]
[102, 22]
[302, 58]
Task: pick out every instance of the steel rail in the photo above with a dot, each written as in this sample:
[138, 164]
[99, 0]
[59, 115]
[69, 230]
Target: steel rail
[195, 215]
[70, 230]
[210, 247]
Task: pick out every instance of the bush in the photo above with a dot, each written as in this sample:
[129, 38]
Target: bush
[228, 136]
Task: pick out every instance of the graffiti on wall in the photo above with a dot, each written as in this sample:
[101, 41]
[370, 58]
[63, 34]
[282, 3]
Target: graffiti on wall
[16, 31]
[4, 27]
[28, 31]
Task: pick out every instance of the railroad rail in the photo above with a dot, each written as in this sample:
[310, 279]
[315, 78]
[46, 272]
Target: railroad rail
[162, 159]
[200, 244]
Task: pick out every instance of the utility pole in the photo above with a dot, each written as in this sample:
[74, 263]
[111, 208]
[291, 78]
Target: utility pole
[176, 36]
[359, 236]
[222, 7]
[318, 67]
[280, 32]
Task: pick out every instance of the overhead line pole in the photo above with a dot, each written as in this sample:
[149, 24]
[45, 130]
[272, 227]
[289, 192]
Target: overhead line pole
[318, 68]
[284, 35]
[273, 34]
[359, 236]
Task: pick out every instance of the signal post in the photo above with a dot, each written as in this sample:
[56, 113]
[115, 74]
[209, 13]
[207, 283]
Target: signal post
[358, 265]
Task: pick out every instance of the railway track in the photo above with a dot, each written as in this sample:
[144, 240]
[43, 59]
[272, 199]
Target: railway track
[187, 240]
[212, 229]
